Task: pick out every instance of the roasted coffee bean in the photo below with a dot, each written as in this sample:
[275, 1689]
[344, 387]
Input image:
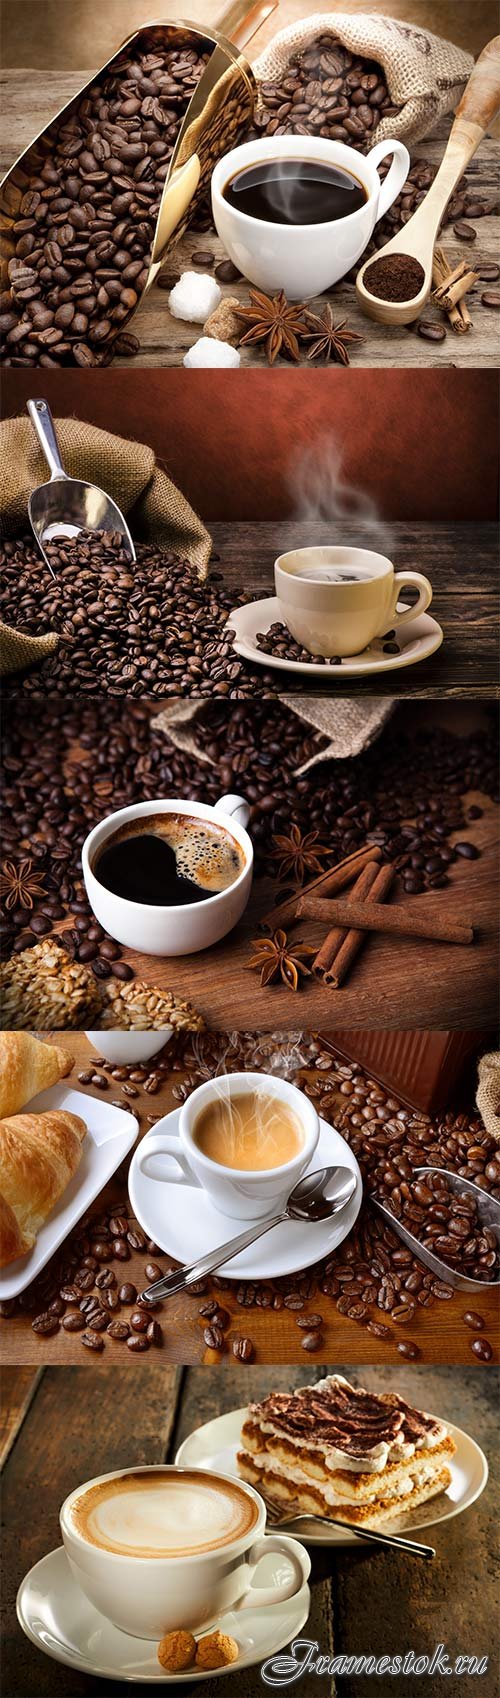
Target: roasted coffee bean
[465, 232]
[203, 257]
[407, 1349]
[118, 1329]
[378, 1329]
[74, 1322]
[91, 203]
[491, 298]
[135, 1238]
[243, 1349]
[98, 1321]
[152, 1271]
[105, 1280]
[56, 1307]
[214, 1337]
[127, 1293]
[431, 330]
[155, 1334]
[138, 1320]
[481, 1348]
[473, 1320]
[45, 1324]
[138, 1342]
[118, 1226]
[309, 1322]
[92, 1340]
[311, 1340]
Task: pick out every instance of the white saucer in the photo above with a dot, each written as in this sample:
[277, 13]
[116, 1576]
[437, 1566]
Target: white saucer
[416, 640]
[183, 1222]
[110, 1135]
[215, 1445]
[55, 1614]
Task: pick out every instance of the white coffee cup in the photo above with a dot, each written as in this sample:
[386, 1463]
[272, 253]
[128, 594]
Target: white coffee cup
[304, 259]
[148, 1596]
[244, 1196]
[162, 930]
[341, 618]
[129, 1049]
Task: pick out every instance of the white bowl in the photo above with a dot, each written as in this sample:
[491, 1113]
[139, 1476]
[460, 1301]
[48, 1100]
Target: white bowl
[123, 1049]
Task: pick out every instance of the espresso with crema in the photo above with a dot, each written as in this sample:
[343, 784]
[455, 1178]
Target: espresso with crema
[252, 1131]
[168, 860]
[156, 1513]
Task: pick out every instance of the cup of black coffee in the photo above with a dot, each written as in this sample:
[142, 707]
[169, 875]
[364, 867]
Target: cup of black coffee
[170, 878]
[296, 212]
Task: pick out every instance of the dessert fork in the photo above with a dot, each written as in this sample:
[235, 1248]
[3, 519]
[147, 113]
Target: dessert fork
[277, 1518]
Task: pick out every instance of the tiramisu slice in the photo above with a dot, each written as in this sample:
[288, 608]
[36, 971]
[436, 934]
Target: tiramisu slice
[333, 1449]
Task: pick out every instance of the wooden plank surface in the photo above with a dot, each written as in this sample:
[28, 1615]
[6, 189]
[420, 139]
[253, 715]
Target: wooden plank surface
[461, 562]
[439, 1332]
[17, 1392]
[77, 1427]
[164, 340]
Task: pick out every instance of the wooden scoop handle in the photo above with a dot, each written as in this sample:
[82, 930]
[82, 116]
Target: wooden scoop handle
[480, 101]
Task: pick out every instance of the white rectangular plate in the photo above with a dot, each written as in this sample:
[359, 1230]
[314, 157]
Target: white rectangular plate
[111, 1132]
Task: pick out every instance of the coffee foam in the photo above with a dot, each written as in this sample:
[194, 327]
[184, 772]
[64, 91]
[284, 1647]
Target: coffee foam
[249, 1131]
[150, 1514]
[205, 853]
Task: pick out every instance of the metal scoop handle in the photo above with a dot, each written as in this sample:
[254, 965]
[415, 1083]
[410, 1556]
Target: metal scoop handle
[41, 419]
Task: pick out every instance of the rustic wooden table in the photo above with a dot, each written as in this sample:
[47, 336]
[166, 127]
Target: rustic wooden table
[462, 564]
[61, 1427]
[164, 339]
[439, 1332]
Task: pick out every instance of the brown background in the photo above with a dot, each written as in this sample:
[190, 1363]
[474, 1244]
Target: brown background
[67, 34]
[424, 448]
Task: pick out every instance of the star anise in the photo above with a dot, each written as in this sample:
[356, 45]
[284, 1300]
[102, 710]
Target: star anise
[276, 958]
[21, 884]
[273, 320]
[328, 340]
[299, 854]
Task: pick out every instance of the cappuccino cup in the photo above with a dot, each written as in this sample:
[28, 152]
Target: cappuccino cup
[157, 927]
[160, 1548]
[335, 601]
[244, 1194]
[297, 258]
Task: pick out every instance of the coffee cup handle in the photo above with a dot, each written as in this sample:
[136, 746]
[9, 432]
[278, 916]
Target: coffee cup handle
[160, 1144]
[397, 174]
[424, 597]
[257, 1596]
[234, 807]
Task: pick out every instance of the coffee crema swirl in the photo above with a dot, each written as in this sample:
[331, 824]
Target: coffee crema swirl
[168, 859]
[155, 1514]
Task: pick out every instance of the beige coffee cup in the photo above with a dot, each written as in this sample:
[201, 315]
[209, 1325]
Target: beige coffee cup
[337, 612]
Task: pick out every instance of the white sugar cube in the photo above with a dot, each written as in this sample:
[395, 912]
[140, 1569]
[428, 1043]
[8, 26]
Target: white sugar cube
[207, 351]
[194, 297]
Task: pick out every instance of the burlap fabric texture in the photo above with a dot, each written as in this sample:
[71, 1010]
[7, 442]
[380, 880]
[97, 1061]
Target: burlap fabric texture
[350, 726]
[488, 1093]
[425, 75]
[128, 471]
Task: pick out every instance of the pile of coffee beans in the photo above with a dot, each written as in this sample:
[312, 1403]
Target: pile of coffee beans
[69, 761]
[152, 627]
[81, 1292]
[326, 91]
[446, 1222]
[82, 208]
[277, 641]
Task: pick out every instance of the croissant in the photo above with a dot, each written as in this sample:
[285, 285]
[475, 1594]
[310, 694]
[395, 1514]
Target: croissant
[39, 1153]
[28, 1066]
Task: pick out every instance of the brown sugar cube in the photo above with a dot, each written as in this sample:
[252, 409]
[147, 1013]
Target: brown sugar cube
[177, 1650]
[216, 1651]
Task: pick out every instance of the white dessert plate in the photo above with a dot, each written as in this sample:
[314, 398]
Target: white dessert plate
[215, 1445]
[184, 1223]
[110, 1135]
[55, 1614]
[416, 641]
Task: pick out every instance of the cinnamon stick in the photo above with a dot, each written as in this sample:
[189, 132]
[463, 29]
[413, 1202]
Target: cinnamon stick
[448, 296]
[459, 316]
[354, 940]
[336, 878]
[333, 940]
[397, 921]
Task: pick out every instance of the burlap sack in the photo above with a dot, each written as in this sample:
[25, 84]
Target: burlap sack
[488, 1093]
[349, 725]
[130, 474]
[425, 75]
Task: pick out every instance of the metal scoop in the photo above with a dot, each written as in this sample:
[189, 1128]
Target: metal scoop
[489, 1214]
[65, 506]
[317, 1197]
